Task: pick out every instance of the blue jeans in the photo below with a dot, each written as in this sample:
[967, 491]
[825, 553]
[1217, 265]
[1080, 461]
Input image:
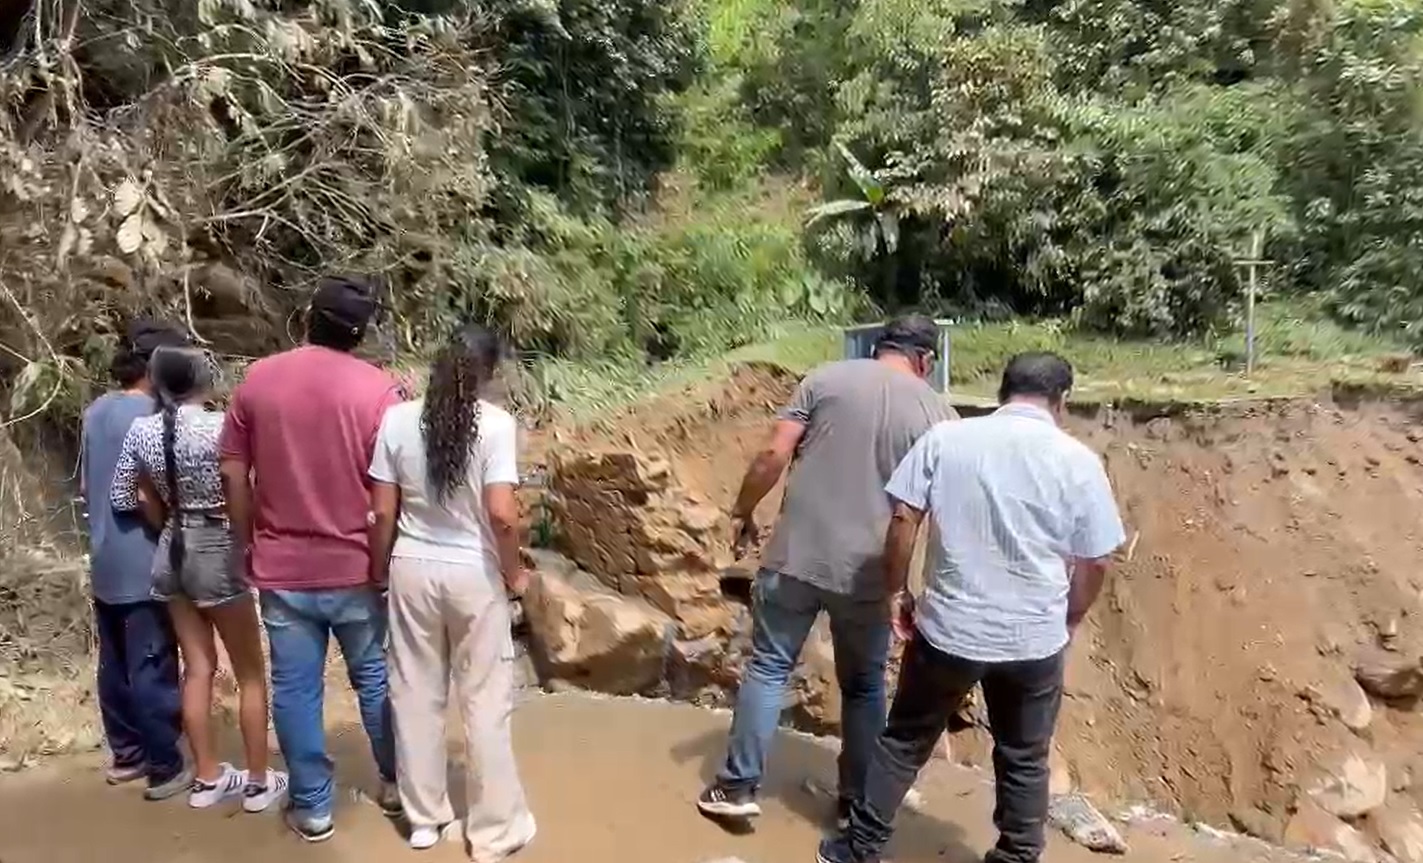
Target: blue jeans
[138, 687]
[299, 626]
[783, 611]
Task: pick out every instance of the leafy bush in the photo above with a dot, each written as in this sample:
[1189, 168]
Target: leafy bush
[493, 159]
[1106, 158]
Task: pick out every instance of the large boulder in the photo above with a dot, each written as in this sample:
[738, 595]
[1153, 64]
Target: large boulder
[623, 516]
[1311, 828]
[1390, 676]
[1351, 786]
[586, 634]
[1342, 699]
[1399, 827]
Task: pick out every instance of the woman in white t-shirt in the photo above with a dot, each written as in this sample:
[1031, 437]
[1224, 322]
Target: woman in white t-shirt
[445, 534]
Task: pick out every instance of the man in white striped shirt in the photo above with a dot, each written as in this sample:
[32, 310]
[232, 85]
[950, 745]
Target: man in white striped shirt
[1026, 522]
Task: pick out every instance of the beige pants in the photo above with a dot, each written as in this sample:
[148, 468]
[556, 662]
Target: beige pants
[450, 623]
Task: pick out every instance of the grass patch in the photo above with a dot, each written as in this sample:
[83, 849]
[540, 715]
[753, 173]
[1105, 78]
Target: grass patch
[1300, 352]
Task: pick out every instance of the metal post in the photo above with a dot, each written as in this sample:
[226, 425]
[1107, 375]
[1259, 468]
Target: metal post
[1252, 286]
[1255, 247]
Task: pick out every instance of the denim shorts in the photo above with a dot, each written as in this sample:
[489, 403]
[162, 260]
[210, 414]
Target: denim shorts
[211, 572]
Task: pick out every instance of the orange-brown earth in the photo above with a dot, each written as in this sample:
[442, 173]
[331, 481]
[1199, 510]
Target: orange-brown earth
[1273, 546]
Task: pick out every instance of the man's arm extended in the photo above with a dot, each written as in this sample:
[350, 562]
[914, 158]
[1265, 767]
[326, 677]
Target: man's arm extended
[385, 507]
[235, 465]
[1098, 534]
[503, 510]
[237, 490]
[766, 468]
[899, 545]
[1088, 576]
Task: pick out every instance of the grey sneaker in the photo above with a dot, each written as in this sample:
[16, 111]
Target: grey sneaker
[120, 774]
[718, 801]
[177, 784]
[311, 828]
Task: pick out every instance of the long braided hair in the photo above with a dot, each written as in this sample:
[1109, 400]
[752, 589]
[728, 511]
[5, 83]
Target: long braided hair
[177, 375]
[450, 420]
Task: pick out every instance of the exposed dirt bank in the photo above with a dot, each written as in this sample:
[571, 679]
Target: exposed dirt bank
[1273, 548]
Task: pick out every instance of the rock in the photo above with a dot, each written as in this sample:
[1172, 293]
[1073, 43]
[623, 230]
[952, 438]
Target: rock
[914, 801]
[1354, 786]
[1313, 829]
[1390, 677]
[626, 519]
[1076, 817]
[1254, 821]
[1399, 827]
[814, 688]
[1342, 699]
[584, 633]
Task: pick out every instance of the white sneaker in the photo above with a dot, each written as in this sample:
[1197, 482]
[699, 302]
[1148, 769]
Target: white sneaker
[422, 838]
[260, 797]
[229, 783]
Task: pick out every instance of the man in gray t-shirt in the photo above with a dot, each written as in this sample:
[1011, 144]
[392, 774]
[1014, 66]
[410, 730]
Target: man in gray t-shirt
[847, 427]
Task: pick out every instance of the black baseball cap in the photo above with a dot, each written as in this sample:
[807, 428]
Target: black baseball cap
[911, 334]
[349, 302]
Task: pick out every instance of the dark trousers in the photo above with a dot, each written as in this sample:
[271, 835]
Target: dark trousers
[138, 686]
[1023, 700]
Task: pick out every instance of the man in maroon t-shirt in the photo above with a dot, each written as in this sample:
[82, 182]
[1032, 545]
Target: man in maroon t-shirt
[296, 447]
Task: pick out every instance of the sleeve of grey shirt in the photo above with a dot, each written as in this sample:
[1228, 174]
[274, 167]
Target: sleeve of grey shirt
[1098, 530]
[802, 404]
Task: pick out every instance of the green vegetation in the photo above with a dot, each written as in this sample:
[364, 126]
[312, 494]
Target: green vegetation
[633, 188]
[1106, 161]
[1302, 352]
[563, 170]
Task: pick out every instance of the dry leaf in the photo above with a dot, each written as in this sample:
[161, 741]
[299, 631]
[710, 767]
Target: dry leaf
[156, 239]
[131, 233]
[127, 198]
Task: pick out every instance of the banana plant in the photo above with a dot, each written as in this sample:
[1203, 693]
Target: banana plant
[881, 231]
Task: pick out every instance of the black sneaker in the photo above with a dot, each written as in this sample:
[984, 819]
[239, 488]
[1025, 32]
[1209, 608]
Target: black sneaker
[719, 801]
[837, 850]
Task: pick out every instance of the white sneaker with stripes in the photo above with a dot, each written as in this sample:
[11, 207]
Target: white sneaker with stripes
[258, 797]
[229, 783]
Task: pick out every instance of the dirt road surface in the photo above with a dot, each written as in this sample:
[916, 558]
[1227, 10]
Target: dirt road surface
[609, 780]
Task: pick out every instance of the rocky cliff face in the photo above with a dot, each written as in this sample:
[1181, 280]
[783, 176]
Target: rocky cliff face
[624, 517]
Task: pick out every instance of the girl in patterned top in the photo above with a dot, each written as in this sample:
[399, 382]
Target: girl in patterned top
[168, 469]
